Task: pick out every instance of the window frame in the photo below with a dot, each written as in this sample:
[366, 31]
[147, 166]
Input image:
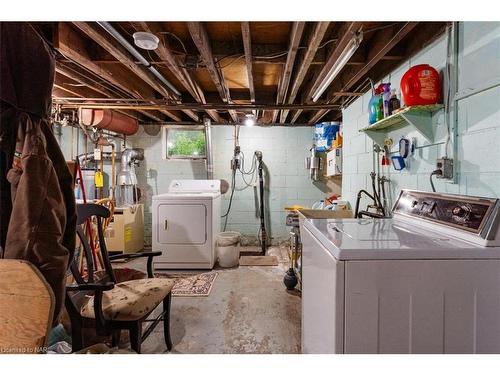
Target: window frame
[165, 131]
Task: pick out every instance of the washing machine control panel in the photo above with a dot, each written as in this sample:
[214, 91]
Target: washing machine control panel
[464, 212]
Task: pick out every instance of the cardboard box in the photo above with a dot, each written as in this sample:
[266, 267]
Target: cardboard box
[126, 232]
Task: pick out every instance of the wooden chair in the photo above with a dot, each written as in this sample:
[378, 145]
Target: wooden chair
[109, 306]
[26, 308]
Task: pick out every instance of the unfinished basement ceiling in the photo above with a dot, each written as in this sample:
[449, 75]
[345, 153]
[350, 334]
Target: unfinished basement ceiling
[225, 70]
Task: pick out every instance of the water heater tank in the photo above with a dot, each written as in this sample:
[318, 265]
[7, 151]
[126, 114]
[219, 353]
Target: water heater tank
[109, 120]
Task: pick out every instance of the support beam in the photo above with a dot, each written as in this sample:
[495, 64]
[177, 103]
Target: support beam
[181, 73]
[200, 38]
[247, 45]
[123, 57]
[154, 105]
[383, 42]
[72, 92]
[293, 47]
[312, 47]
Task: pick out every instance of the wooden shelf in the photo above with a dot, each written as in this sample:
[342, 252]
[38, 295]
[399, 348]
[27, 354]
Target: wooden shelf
[418, 117]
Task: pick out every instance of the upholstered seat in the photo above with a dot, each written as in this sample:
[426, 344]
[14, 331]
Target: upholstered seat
[130, 300]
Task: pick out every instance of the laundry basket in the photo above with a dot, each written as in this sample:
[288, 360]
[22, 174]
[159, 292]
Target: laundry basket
[228, 249]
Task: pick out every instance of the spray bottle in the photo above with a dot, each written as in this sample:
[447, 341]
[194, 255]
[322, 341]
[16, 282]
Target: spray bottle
[386, 97]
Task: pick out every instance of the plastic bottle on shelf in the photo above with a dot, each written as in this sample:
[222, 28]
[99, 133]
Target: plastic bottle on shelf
[386, 97]
[394, 102]
[373, 107]
[379, 109]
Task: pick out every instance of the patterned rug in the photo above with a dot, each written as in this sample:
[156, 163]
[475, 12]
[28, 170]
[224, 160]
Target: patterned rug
[198, 285]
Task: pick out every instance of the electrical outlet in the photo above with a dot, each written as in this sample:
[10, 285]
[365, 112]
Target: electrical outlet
[445, 165]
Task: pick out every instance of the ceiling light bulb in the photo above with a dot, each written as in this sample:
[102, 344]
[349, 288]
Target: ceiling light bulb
[146, 40]
[249, 120]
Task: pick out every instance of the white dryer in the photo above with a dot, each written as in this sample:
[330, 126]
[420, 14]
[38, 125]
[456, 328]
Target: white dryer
[186, 222]
[425, 281]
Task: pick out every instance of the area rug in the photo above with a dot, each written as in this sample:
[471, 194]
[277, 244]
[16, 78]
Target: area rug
[198, 285]
[268, 260]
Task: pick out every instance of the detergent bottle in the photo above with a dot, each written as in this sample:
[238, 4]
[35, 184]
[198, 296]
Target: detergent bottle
[421, 85]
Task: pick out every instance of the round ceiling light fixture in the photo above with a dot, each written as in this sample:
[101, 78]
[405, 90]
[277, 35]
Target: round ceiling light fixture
[146, 40]
[249, 120]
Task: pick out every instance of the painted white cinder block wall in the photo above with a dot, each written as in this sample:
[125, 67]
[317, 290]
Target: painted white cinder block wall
[478, 123]
[284, 150]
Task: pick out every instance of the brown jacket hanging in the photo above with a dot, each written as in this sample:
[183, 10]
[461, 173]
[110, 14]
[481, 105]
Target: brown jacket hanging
[39, 204]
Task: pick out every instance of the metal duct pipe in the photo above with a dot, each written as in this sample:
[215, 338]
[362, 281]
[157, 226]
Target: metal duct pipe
[208, 148]
[115, 34]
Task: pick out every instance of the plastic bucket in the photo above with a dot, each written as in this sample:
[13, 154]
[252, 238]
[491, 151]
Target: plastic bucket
[228, 249]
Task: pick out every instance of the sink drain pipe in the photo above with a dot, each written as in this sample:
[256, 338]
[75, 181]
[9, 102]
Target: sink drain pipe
[263, 233]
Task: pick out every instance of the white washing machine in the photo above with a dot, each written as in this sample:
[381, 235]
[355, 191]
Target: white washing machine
[425, 281]
[186, 222]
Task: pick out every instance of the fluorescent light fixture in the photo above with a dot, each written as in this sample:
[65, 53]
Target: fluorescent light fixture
[249, 120]
[344, 57]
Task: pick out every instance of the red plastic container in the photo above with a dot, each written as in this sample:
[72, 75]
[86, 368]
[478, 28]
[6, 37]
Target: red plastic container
[421, 85]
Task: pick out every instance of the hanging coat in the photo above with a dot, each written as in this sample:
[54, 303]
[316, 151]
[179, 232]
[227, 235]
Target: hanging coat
[38, 218]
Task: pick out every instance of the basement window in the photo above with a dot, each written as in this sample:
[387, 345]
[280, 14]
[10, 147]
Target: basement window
[182, 143]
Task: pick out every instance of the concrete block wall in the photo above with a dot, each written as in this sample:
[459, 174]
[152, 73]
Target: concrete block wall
[284, 150]
[477, 158]
[288, 183]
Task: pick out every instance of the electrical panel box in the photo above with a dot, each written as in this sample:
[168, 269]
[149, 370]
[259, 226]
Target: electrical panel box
[445, 165]
[334, 162]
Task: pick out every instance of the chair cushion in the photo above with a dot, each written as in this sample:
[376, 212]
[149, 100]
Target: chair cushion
[130, 300]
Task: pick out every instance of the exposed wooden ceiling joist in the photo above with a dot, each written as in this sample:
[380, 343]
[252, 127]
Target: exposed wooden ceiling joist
[314, 41]
[293, 47]
[261, 67]
[247, 45]
[72, 47]
[182, 74]
[383, 42]
[121, 55]
[346, 32]
[200, 38]
[93, 86]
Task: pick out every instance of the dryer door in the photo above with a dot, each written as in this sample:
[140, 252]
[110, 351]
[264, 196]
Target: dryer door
[182, 223]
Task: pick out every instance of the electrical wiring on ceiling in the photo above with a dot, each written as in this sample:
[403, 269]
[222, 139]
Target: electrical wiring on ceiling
[181, 43]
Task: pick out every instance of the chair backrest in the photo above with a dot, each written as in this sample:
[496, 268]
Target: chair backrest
[85, 212]
[26, 308]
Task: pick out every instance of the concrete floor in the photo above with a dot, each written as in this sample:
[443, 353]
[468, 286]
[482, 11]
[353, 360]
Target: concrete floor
[248, 311]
